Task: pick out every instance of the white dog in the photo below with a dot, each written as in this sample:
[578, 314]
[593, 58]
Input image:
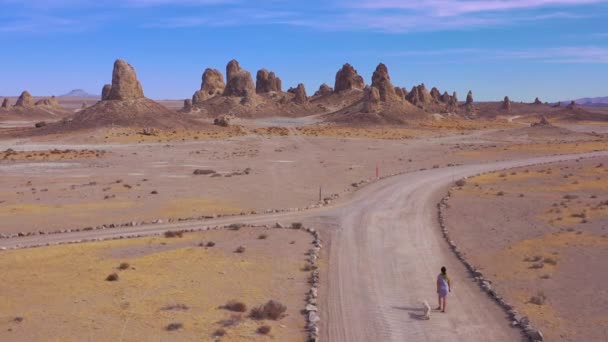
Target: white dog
[427, 310]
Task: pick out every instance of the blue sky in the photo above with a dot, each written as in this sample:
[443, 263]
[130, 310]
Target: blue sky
[554, 49]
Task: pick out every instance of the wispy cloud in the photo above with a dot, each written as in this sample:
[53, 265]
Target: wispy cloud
[563, 54]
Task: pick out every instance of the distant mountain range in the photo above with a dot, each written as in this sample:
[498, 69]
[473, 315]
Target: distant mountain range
[590, 101]
[79, 93]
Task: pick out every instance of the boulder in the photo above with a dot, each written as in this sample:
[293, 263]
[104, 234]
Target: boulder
[5, 103]
[240, 82]
[25, 100]
[48, 102]
[300, 94]
[105, 92]
[371, 98]
[212, 85]
[267, 82]
[125, 85]
[324, 89]
[347, 78]
[543, 122]
[382, 81]
[506, 104]
[469, 101]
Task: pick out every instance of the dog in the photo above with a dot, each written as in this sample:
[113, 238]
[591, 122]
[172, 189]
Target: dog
[427, 310]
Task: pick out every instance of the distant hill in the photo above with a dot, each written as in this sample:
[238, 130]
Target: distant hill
[79, 93]
[590, 101]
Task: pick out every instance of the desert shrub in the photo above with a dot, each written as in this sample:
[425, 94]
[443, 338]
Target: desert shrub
[579, 215]
[461, 182]
[271, 310]
[296, 225]
[210, 244]
[263, 236]
[503, 175]
[112, 277]
[219, 333]
[500, 193]
[174, 326]
[550, 261]
[203, 172]
[521, 195]
[235, 226]
[545, 276]
[40, 124]
[264, 330]
[240, 249]
[539, 299]
[537, 265]
[18, 319]
[308, 267]
[570, 197]
[173, 234]
[179, 307]
[154, 192]
[235, 306]
[234, 320]
[124, 266]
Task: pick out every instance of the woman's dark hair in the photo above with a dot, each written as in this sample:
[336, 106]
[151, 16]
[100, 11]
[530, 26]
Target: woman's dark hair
[443, 270]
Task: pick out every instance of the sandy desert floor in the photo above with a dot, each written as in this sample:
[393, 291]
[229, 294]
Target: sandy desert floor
[168, 280]
[117, 175]
[542, 232]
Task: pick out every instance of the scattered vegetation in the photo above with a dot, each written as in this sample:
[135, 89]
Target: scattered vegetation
[240, 249]
[235, 306]
[174, 234]
[461, 182]
[174, 326]
[263, 236]
[235, 226]
[296, 225]
[219, 333]
[539, 299]
[124, 266]
[18, 319]
[176, 307]
[210, 244]
[550, 261]
[264, 330]
[233, 321]
[112, 277]
[271, 310]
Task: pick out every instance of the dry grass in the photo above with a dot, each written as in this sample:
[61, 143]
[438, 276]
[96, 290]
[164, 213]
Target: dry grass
[271, 310]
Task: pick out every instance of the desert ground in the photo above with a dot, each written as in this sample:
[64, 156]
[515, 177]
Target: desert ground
[550, 237]
[375, 232]
[252, 213]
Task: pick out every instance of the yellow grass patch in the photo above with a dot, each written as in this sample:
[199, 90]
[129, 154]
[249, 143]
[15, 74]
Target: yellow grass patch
[562, 148]
[68, 210]
[62, 294]
[127, 135]
[51, 155]
[185, 207]
[382, 133]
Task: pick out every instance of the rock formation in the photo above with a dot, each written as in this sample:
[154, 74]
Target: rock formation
[324, 89]
[240, 82]
[125, 85]
[49, 102]
[455, 98]
[543, 122]
[401, 93]
[105, 92]
[382, 81]
[347, 78]
[435, 94]
[537, 101]
[5, 103]
[506, 104]
[212, 85]
[419, 96]
[470, 99]
[187, 105]
[371, 98]
[572, 105]
[267, 82]
[300, 94]
[446, 98]
[25, 100]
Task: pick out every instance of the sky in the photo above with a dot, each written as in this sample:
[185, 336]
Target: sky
[553, 49]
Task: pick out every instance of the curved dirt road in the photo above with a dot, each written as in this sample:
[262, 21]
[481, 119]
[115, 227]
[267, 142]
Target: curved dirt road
[383, 260]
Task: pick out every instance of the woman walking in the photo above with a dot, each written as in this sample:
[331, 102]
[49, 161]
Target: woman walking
[443, 288]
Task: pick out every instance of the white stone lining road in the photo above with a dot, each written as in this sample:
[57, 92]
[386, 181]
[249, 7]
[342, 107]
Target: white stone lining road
[386, 249]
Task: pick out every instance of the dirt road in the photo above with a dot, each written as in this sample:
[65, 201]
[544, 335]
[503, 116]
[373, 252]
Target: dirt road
[384, 257]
